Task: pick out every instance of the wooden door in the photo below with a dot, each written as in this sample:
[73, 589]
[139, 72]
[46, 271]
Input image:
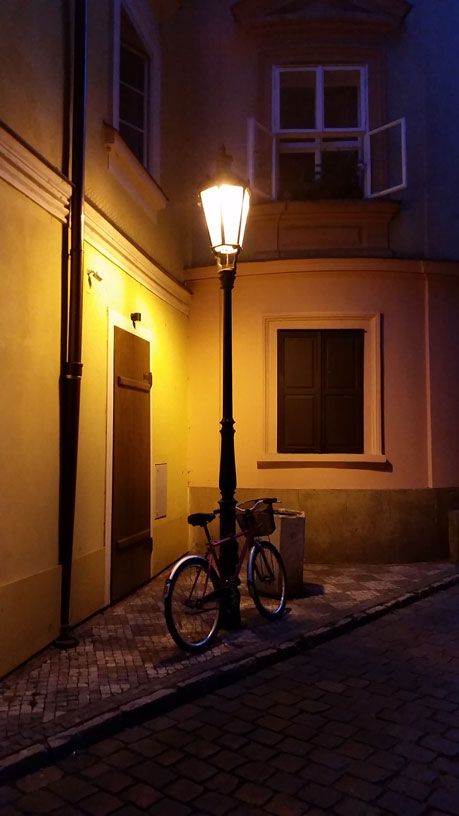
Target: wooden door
[131, 515]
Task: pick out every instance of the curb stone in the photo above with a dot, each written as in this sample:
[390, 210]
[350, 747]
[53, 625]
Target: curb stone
[160, 702]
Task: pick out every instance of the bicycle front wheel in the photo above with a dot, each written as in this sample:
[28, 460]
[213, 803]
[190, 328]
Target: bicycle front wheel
[192, 604]
[267, 580]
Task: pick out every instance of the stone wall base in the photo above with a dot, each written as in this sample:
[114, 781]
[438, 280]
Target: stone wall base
[362, 526]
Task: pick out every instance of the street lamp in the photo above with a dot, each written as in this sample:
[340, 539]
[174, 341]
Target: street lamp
[225, 200]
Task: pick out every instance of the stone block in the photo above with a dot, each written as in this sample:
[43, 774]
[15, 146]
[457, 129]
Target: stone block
[289, 538]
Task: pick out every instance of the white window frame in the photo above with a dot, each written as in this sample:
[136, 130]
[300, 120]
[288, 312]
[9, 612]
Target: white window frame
[143, 20]
[320, 129]
[372, 389]
[252, 128]
[397, 123]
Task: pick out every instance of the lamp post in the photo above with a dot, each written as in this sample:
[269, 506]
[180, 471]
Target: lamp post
[225, 200]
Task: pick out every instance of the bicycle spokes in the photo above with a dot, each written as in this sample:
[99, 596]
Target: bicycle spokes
[267, 580]
[193, 605]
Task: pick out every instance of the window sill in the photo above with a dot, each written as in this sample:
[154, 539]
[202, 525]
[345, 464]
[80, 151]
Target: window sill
[338, 460]
[132, 175]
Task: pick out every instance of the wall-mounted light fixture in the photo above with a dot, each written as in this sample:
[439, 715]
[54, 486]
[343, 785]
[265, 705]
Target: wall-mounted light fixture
[136, 317]
[91, 273]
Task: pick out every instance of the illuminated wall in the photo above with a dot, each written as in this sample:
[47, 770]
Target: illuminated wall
[417, 453]
[133, 253]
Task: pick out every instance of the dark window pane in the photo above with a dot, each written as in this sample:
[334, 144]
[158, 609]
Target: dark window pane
[340, 354]
[132, 107]
[132, 68]
[298, 394]
[134, 140]
[297, 174]
[341, 99]
[297, 100]
[133, 88]
[340, 174]
[320, 391]
[343, 430]
[300, 423]
[299, 357]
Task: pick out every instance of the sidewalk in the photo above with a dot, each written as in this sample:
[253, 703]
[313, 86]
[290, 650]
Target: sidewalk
[126, 667]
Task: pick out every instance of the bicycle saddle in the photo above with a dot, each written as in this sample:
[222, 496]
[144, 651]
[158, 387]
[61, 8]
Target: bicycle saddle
[200, 519]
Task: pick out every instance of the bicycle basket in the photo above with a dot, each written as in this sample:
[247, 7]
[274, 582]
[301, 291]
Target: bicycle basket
[259, 521]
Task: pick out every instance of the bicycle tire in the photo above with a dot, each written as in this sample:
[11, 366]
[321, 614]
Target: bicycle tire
[267, 580]
[193, 623]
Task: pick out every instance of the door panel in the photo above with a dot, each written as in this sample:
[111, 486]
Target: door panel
[131, 514]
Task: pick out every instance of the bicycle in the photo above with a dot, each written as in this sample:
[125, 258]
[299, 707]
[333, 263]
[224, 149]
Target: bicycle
[196, 589]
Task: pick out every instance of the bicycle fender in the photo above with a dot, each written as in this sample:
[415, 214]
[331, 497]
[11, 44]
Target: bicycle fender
[196, 559]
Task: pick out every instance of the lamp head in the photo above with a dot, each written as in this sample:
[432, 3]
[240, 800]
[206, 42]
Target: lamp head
[225, 199]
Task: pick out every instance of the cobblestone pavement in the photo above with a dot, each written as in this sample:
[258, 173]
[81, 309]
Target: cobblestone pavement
[364, 725]
[126, 662]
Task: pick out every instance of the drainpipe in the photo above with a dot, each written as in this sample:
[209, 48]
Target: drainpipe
[71, 365]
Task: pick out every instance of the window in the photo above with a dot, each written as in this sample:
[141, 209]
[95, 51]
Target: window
[132, 138]
[133, 90]
[320, 117]
[320, 391]
[318, 145]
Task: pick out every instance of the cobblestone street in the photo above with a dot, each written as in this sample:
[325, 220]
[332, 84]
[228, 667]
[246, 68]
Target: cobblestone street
[365, 724]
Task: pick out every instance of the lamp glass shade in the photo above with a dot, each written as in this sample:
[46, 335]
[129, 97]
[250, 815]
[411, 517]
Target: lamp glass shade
[226, 208]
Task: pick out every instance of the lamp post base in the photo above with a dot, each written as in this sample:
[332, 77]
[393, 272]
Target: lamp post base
[65, 639]
[231, 610]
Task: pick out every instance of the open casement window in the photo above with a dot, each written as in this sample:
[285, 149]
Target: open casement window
[320, 391]
[319, 145]
[133, 90]
[385, 159]
[262, 160]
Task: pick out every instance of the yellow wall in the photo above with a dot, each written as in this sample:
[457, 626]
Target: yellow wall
[396, 290]
[29, 422]
[32, 59]
[120, 293]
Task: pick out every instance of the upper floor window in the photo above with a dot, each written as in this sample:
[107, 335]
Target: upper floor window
[133, 90]
[319, 144]
[137, 81]
[319, 118]
[132, 137]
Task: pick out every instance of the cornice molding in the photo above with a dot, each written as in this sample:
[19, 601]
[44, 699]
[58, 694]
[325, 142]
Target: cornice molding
[384, 15]
[107, 240]
[26, 171]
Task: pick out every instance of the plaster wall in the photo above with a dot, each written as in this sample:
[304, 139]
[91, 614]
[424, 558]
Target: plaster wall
[423, 87]
[158, 235]
[29, 422]
[120, 293]
[32, 67]
[302, 288]
[443, 310]
[29, 418]
[202, 40]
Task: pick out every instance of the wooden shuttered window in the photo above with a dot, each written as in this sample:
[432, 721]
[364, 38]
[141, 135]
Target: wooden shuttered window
[320, 390]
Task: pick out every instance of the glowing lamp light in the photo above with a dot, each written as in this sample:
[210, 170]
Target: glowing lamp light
[225, 199]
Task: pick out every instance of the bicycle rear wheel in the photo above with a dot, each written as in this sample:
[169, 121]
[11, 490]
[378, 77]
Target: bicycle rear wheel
[192, 604]
[267, 580]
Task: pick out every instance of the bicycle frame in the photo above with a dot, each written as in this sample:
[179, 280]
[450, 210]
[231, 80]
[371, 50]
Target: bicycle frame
[212, 545]
[197, 585]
